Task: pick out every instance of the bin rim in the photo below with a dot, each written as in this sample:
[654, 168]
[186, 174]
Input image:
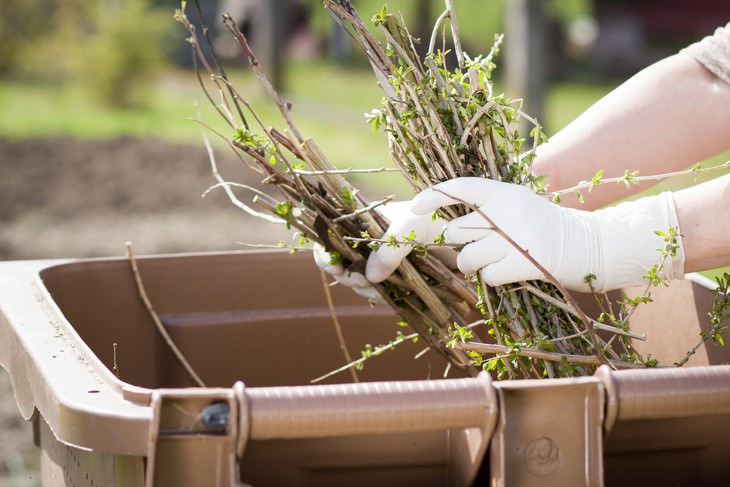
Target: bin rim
[41, 350]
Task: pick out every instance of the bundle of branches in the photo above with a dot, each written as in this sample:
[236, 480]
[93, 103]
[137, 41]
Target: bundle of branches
[442, 123]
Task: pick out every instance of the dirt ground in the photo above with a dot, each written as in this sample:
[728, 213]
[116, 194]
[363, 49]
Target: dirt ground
[66, 198]
[62, 197]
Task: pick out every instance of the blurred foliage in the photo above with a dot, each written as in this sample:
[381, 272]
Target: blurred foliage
[20, 23]
[51, 50]
[128, 48]
[478, 20]
[570, 10]
[113, 48]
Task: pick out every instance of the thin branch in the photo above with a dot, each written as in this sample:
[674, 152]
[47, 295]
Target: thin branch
[306, 172]
[256, 65]
[412, 243]
[279, 246]
[365, 209]
[218, 65]
[258, 193]
[488, 348]
[376, 351]
[229, 143]
[456, 37]
[115, 365]
[156, 319]
[434, 33]
[338, 327]
[629, 179]
[483, 110]
[222, 183]
[198, 58]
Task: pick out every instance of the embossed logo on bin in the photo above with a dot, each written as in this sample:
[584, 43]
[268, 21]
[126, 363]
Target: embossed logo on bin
[542, 456]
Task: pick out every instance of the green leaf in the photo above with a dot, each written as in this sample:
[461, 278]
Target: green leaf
[440, 238]
[284, 209]
[596, 180]
[629, 177]
[348, 197]
[335, 257]
[379, 18]
[476, 358]
[392, 241]
[376, 118]
[411, 237]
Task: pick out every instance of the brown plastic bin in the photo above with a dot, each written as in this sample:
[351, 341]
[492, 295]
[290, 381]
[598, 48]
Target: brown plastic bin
[256, 327]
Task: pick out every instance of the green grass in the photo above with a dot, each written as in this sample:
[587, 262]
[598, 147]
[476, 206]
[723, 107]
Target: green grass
[329, 102]
[38, 110]
[327, 99]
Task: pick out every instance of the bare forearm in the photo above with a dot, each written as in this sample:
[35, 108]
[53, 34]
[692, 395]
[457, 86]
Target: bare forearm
[704, 217]
[669, 116]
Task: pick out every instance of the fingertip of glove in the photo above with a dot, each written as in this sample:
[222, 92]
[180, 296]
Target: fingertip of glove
[323, 258]
[466, 264]
[490, 278]
[352, 279]
[376, 270]
[369, 293]
[425, 202]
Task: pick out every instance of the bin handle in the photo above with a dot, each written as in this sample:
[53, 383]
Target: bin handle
[665, 393]
[366, 408]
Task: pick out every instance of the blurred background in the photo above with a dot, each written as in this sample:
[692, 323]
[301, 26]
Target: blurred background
[97, 147]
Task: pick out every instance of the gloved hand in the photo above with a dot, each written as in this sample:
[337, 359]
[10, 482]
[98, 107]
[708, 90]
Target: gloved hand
[382, 263]
[422, 228]
[617, 244]
[355, 280]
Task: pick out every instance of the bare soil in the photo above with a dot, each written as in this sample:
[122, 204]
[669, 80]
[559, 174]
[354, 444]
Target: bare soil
[62, 197]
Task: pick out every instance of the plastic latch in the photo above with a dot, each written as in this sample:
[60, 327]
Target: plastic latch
[549, 433]
[193, 438]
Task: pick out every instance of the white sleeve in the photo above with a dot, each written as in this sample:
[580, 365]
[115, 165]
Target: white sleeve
[713, 52]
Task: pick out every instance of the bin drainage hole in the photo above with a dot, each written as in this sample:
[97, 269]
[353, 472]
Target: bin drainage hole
[542, 456]
[93, 391]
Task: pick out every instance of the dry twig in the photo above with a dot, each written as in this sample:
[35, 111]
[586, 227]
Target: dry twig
[156, 319]
[337, 326]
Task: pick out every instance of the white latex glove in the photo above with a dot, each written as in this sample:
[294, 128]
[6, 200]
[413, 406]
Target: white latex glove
[354, 280]
[386, 259]
[405, 223]
[617, 244]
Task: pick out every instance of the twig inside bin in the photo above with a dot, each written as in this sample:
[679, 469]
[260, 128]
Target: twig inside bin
[374, 353]
[156, 319]
[338, 327]
[115, 367]
[489, 348]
